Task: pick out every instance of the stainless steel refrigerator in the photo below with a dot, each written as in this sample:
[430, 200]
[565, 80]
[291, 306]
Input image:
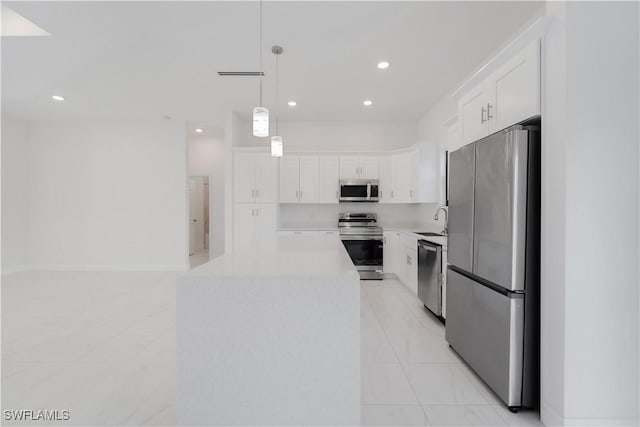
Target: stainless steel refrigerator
[493, 261]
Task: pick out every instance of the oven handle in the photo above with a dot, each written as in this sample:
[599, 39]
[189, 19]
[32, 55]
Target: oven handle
[368, 191]
[361, 237]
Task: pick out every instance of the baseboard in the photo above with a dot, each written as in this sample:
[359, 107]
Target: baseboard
[551, 418]
[95, 267]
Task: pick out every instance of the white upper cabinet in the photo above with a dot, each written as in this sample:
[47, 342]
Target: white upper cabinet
[517, 89]
[473, 111]
[304, 180]
[510, 95]
[385, 188]
[309, 179]
[359, 167]
[328, 179]
[369, 167]
[254, 177]
[289, 179]
[349, 167]
[401, 177]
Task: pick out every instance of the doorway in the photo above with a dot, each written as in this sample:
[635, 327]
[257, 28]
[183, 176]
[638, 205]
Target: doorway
[198, 220]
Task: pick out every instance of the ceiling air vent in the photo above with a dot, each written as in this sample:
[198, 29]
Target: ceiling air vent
[241, 73]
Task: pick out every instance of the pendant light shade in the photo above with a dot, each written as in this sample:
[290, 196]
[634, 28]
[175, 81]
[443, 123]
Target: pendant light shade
[276, 146]
[260, 122]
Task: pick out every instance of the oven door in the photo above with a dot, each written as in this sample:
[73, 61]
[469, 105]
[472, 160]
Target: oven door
[365, 251]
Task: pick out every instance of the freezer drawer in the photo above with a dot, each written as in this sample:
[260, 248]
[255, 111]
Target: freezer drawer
[486, 328]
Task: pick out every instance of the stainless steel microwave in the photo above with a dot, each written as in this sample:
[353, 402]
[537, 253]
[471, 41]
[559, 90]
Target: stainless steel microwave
[359, 190]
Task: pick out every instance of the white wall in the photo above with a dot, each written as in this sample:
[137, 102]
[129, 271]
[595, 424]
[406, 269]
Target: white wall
[206, 158]
[336, 136]
[433, 126]
[590, 169]
[15, 180]
[107, 195]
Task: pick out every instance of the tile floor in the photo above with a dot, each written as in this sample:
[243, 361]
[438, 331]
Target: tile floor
[102, 345]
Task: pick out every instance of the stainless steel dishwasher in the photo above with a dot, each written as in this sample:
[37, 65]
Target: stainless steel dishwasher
[430, 276]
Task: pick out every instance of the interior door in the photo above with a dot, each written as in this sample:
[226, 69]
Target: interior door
[309, 179]
[266, 178]
[289, 179]
[244, 177]
[461, 202]
[328, 176]
[196, 214]
[500, 209]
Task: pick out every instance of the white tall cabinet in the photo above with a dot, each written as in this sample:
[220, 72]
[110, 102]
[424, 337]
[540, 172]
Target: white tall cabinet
[254, 194]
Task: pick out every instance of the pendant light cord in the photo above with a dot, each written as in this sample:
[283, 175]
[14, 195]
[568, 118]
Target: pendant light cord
[261, 72]
[277, 102]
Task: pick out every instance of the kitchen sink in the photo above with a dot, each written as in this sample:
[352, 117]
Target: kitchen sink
[433, 234]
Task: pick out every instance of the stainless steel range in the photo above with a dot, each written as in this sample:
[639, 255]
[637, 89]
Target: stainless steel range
[362, 238]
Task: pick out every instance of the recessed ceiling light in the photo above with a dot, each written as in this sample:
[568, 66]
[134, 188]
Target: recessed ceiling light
[367, 103]
[198, 130]
[383, 64]
[58, 97]
[292, 103]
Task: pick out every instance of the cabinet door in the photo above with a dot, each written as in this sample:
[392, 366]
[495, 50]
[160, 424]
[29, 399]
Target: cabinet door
[309, 179]
[369, 167]
[265, 224]
[266, 178]
[401, 177]
[385, 180]
[289, 179]
[414, 181]
[411, 274]
[244, 177]
[472, 110]
[517, 89]
[243, 226]
[349, 167]
[387, 252]
[328, 178]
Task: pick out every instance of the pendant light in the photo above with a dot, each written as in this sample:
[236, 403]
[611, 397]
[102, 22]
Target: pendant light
[276, 141]
[261, 114]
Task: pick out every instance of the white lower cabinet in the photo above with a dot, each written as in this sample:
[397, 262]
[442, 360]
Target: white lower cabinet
[401, 258]
[254, 224]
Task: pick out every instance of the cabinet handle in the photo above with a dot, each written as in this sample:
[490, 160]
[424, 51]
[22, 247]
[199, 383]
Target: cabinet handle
[253, 193]
[410, 193]
[258, 212]
[489, 107]
[392, 194]
[257, 193]
[300, 194]
[252, 212]
[482, 111]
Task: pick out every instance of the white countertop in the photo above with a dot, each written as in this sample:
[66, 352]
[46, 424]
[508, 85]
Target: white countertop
[442, 241]
[311, 256]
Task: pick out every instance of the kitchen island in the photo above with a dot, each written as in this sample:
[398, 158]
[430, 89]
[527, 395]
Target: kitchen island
[270, 336]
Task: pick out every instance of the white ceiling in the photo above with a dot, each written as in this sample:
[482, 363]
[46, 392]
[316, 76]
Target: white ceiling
[146, 60]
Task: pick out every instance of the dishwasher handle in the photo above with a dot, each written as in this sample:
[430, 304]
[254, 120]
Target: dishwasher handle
[427, 247]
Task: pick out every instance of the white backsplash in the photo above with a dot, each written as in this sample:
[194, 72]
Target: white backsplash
[418, 217]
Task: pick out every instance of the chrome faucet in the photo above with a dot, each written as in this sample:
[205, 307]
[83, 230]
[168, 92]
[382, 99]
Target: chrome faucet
[446, 218]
